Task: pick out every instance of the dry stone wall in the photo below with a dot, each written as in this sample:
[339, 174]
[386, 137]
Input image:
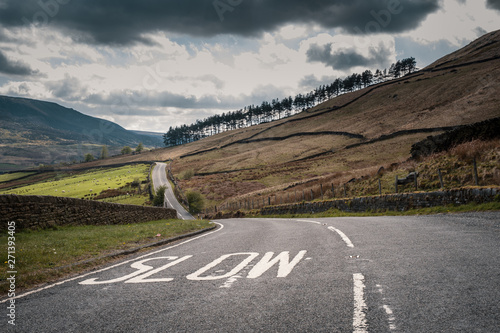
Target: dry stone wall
[32, 212]
[394, 202]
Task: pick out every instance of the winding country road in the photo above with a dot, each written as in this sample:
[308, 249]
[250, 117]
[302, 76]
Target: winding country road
[436, 273]
[160, 179]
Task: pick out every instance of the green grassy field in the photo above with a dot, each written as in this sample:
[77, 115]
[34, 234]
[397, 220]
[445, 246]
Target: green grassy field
[12, 176]
[46, 255]
[87, 184]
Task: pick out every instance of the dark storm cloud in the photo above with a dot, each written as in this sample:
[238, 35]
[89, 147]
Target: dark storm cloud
[345, 59]
[495, 4]
[11, 67]
[126, 21]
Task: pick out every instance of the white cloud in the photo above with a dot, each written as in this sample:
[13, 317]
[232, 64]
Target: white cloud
[456, 23]
[292, 31]
[176, 79]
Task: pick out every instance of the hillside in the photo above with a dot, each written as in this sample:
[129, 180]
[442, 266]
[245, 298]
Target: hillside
[34, 132]
[350, 136]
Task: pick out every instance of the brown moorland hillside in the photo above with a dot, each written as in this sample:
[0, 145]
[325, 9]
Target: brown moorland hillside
[348, 136]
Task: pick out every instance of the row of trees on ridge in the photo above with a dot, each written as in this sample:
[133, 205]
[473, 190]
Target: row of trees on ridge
[286, 107]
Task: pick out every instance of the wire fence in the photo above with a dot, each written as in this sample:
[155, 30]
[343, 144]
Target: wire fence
[399, 184]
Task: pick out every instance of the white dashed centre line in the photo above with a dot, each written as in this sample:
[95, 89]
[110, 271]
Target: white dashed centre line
[359, 324]
[344, 237]
[309, 221]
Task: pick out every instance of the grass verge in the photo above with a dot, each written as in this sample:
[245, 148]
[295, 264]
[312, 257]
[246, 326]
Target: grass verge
[46, 255]
[472, 207]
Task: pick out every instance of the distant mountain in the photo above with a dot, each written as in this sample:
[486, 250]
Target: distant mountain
[28, 126]
[55, 122]
[153, 134]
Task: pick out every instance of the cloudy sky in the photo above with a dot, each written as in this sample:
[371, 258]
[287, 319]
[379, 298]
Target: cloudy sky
[151, 64]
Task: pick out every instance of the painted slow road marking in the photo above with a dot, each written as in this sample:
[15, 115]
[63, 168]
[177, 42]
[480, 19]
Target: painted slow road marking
[111, 267]
[143, 271]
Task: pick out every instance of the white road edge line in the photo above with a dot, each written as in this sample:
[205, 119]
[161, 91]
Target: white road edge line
[359, 324]
[110, 267]
[344, 237]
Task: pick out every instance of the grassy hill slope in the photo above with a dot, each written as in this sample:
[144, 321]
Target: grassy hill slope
[348, 136]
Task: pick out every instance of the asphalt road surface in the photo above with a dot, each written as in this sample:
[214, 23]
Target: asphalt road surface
[160, 179]
[375, 274]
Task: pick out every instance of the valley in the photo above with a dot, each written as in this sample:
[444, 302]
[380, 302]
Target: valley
[349, 138]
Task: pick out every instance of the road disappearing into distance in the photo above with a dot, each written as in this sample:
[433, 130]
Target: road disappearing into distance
[369, 274]
[160, 179]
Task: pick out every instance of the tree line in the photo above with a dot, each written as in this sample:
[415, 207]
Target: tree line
[286, 107]
[105, 153]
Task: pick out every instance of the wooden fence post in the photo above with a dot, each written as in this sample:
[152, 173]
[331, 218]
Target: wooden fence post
[321, 189]
[440, 178]
[345, 192]
[379, 187]
[333, 192]
[476, 178]
[396, 184]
